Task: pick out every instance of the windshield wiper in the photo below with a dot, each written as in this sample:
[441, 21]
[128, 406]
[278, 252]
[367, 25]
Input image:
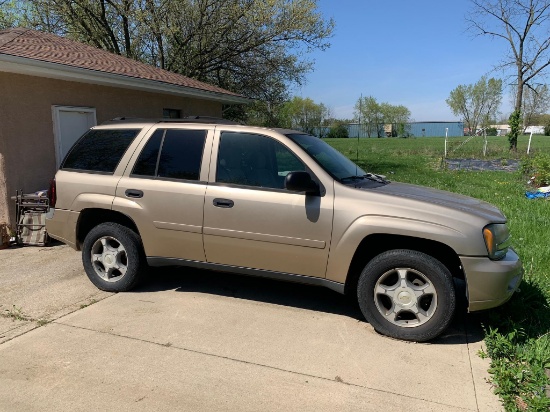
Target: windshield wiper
[369, 176]
[352, 178]
[376, 178]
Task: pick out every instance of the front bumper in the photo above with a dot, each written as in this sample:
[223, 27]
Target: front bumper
[491, 283]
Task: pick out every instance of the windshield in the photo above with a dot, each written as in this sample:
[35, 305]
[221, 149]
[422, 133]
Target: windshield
[330, 159]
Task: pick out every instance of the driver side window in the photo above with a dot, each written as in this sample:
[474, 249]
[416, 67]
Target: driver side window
[254, 160]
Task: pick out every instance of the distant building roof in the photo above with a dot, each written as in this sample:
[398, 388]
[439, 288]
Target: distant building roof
[42, 54]
[439, 121]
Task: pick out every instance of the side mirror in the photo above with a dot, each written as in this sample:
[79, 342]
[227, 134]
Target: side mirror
[301, 182]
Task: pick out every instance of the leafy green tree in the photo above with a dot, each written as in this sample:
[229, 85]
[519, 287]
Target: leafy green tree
[256, 48]
[369, 113]
[476, 103]
[396, 116]
[306, 115]
[8, 14]
[376, 115]
[523, 25]
[543, 120]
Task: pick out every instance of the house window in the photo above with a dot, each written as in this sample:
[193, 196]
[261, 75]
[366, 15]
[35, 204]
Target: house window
[171, 113]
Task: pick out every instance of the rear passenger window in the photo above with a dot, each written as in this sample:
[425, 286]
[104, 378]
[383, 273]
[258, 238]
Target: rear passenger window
[146, 164]
[99, 150]
[172, 154]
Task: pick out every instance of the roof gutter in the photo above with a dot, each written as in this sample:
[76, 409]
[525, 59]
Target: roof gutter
[32, 67]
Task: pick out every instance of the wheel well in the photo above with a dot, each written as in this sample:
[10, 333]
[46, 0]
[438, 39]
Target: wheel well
[90, 218]
[375, 244]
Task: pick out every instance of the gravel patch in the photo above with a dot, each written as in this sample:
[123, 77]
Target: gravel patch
[505, 165]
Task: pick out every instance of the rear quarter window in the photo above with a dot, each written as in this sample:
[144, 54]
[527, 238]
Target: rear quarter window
[99, 150]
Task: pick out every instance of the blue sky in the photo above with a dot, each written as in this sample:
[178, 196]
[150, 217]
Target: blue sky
[401, 52]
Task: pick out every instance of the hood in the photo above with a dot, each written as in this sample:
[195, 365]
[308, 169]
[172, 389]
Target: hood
[443, 198]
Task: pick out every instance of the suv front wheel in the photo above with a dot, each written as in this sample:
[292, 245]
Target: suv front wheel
[407, 295]
[113, 258]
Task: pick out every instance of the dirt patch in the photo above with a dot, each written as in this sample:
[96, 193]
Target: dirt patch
[505, 165]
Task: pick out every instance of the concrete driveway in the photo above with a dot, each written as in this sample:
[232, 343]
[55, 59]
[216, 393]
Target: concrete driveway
[195, 340]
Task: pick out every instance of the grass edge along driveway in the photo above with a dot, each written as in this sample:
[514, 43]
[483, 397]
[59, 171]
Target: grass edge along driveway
[517, 335]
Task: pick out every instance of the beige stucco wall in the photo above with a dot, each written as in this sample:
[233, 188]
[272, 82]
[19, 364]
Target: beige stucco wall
[27, 148]
[3, 193]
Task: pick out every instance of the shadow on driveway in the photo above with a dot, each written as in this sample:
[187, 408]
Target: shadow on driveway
[465, 328]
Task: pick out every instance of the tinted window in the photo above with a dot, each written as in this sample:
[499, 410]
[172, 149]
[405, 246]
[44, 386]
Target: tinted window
[287, 161]
[254, 160]
[334, 162]
[181, 154]
[146, 164]
[99, 150]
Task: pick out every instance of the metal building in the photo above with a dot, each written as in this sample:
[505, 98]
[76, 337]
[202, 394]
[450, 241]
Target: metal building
[414, 129]
[436, 129]
[365, 130]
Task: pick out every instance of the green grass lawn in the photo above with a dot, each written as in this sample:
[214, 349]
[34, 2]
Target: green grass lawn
[518, 333]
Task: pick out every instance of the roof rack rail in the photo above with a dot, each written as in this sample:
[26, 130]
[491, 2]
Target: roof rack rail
[207, 119]
[189, 119]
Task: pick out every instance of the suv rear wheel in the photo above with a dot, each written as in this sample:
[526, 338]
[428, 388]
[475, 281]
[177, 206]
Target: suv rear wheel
[113, 257]
[407, 295]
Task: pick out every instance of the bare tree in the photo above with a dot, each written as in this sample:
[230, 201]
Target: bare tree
[478, 103]
[536, 101]
[525, 26]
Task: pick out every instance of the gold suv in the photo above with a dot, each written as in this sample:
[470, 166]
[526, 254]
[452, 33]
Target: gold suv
[281, 204]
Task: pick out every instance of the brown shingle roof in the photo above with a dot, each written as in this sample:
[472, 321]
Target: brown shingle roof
[50, 48]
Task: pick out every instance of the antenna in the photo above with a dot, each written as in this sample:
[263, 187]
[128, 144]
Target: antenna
[358, 129]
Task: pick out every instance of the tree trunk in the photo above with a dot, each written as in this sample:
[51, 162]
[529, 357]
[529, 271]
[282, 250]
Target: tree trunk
[515, 118]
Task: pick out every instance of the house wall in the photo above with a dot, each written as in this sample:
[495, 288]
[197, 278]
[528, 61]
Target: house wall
[27, 146]
[3, 194]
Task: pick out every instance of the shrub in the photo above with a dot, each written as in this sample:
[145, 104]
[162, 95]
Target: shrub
[491, 131]
[338, 131]
[538, 168]
[515, 126]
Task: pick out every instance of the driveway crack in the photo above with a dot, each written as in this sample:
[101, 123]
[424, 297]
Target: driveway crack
[336, 380]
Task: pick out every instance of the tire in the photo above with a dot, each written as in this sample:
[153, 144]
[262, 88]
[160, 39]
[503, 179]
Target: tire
[407, 295]
[113, 257]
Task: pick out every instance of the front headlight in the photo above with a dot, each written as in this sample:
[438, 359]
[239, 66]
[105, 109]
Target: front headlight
[497, 239]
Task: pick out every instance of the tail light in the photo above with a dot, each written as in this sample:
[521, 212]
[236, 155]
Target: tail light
[52, 193]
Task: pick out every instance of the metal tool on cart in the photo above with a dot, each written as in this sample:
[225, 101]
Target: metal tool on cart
[30, 211]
